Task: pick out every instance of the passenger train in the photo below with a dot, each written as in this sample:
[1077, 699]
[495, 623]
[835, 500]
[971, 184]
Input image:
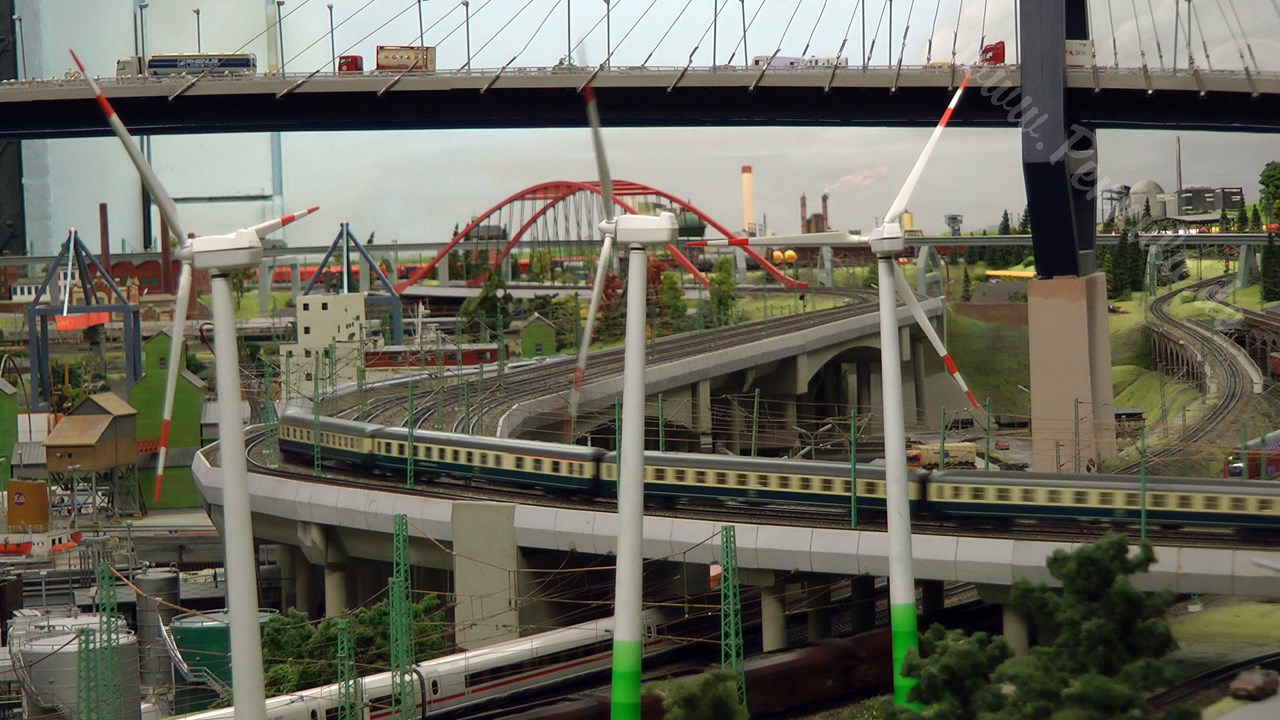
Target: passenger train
[672, 477]
[466, 680]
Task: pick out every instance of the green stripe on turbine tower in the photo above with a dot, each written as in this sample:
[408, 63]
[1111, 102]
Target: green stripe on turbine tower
[902, 619]
[626, 679]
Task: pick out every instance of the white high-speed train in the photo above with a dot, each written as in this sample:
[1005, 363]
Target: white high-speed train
[448, 683]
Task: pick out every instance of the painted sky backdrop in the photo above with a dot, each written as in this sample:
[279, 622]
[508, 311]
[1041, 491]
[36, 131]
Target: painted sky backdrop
[416, 186]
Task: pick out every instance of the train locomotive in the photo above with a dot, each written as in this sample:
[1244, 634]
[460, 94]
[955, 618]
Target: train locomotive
[678, 477]
[445, 685]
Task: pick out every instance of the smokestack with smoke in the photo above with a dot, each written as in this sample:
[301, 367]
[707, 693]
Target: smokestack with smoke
[860, 180]
[826, 219]
[804, 214]
[748, 201]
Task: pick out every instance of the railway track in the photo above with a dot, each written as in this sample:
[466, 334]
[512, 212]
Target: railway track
[1233, 384]
[471, 402]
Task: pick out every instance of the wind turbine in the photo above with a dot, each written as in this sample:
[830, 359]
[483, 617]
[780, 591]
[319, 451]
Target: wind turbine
[636, 232]
[218, 254]
[886, 242]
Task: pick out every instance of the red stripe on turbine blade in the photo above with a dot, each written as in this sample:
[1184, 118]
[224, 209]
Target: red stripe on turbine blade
[164, 433]
[588, 94]
[577, 380]
[972, 400]
[159, 482]
[951, 365]
[105, 106]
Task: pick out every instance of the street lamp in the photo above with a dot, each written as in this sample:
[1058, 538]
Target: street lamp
[746, 59]
[608, 32]
[466, 7]
[568, 32]
[280, 31]
[44, 597]
[421, 32]
[198, 45]
[22, 46]
[333, 50]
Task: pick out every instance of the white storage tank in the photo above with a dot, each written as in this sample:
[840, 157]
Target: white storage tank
[51, 663]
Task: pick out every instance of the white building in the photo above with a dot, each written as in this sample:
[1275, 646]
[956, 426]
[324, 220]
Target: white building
[327, 325]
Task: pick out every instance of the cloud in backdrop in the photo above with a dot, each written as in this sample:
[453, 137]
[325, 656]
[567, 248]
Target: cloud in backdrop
[416, 186]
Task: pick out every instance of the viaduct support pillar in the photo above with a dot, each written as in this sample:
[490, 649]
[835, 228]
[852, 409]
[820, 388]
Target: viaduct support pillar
[1017, 626]
[335, 589]
[773, 617]
[304, 584]
[1072, 405]
[486, 562]
[819, 611]
[862, 602]
[932, 596]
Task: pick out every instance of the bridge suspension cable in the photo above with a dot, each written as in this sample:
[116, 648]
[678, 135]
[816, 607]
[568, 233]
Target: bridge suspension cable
[335, 27]
[1115, 47]
[874, 38]
[982, 36]
[955, 34]
[906, 28]
[667, 32]
[1243, 35]
[809, 41]
[1137, 27]
[1204, 44]
[928, 53]
[1151, 13]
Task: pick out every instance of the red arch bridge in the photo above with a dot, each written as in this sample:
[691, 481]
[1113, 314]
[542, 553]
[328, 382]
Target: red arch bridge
[558, 222]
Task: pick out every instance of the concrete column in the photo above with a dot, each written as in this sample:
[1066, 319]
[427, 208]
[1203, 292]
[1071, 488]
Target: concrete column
[932, 596]
[862, 602]
[773, 619]
[285, 558]
[701, 393]
[485, 568]
[370, 580]
[818, 612]
[1016, 632]
[739, 427]
[362, 283]
[304, 584]
[1070, 360]
[918, 380]
[335, 590]
[264, 287]
[295, 277]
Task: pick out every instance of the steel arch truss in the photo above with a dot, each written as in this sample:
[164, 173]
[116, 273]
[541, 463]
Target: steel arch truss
[546, 201]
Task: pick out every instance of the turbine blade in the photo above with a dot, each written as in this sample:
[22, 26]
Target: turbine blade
[904, 292]
[904, 195]
[264, 229]
[160, 196]
[602, 162]
[597, 288]
[176, 361]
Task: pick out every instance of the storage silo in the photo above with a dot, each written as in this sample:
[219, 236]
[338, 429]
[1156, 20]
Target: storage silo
[50, 663]
[157, 598]
[204, 639]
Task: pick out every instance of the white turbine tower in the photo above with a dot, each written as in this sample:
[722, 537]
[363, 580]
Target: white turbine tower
[218, 254]
[635, 232]
[886, 242]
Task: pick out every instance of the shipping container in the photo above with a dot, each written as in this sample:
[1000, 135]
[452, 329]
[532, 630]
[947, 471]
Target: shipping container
[397, 58]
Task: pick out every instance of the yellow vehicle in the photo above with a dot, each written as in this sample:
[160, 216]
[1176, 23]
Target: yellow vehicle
[958, 455]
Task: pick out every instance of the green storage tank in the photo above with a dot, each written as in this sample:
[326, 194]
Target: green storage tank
[204, 639]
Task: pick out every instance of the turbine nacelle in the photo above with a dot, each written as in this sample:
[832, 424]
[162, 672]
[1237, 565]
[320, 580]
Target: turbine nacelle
[242, 248]
[661, 229]
[886, 239]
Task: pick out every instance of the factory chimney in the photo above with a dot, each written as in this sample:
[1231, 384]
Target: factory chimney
[104, 235]
[748, 202]
[804, 214]
[826, 219]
